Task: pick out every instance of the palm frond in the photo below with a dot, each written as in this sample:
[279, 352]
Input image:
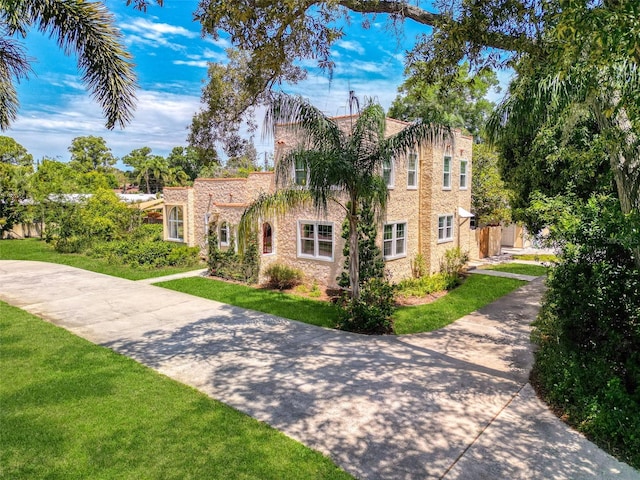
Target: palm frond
[309, 124]
[273, 205]
[88, 30]
[13, 65]
[417, 134]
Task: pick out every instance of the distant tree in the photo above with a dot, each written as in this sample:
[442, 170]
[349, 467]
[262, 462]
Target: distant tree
[91, 154]
[54, 176]
[459, 102]
[84, 28]
[14, 190]
[191, 161]
[13, 153]
[151, 172]
[489, 195]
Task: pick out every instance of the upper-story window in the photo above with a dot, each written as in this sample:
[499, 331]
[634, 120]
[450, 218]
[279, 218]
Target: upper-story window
[412, 170]
[463, 173]
[224, 234]
[446, 169]
[315, 240]
[387, 172]
[267, 238]
[175, 223]
[300, 172]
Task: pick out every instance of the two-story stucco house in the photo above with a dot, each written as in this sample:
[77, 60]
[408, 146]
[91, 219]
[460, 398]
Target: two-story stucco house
[427, 212]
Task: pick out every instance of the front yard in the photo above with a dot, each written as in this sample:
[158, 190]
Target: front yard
[71, 409]
[475, 292]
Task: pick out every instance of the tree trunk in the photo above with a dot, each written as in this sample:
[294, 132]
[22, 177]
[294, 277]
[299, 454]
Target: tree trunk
[354, 253]
[625, 164]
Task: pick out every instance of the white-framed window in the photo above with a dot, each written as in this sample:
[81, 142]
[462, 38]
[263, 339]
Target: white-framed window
[225, 234]
[315, 240]
[445, 228]
[387, 172]
[300, 172]
[267, 238]
[446, 172]
[394, 240]
[463, 173]
[175, 223]
[412, 170]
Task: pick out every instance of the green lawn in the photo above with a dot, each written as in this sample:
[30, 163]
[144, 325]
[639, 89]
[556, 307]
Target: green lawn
[71, 409]
[476, 292]
[314, 312]
[520, 268]
[34, 249]
[545, 257]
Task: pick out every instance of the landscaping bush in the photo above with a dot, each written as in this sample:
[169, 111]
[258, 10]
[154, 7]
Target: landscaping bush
[588, 331]
[146, 253]
[228, 263]
[372, 312]
[283, 277]
[419, 287]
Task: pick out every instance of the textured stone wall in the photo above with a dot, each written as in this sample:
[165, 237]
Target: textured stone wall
[438, 200]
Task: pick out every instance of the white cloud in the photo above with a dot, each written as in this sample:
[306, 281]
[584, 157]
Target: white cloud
[350, 45]
[192, 63]
[161, 121]
[153, 34]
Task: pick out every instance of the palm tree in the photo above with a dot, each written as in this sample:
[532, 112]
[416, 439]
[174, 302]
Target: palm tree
[85, 28]
[344, 167]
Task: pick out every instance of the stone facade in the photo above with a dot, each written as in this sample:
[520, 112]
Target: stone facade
[426, 211]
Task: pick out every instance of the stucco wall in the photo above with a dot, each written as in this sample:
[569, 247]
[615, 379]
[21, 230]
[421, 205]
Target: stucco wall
[182, 197]
[438, 200]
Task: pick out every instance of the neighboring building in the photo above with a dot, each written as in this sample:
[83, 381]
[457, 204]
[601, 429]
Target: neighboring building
[427, 212]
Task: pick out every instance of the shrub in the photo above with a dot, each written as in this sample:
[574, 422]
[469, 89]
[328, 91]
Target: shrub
[419, 287]
[281, 276]
[372, 312]
[588, 331]
[453, 261]
[146, 254]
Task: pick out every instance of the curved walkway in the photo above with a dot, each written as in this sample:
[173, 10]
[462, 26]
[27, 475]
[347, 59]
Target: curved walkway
[451, 404]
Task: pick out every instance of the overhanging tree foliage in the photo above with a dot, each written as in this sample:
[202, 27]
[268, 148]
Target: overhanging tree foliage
[84, 28]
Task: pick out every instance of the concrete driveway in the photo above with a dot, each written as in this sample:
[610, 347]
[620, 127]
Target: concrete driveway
[452, 404]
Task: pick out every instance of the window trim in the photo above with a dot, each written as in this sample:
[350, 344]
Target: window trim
[392, 173]
[445, 239]
[273, 250]
[316, 249]
[446, 173]
[179, 222]
[465, 174]
[415, 170]
[394, 239]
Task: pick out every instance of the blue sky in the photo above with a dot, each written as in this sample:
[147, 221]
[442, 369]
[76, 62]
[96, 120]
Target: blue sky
[171, 63]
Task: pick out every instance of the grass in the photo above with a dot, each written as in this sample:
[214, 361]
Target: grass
[520, 268]
[71, 409]
[476, 292]
[545, 257]
[314, 312]
[37, 250]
